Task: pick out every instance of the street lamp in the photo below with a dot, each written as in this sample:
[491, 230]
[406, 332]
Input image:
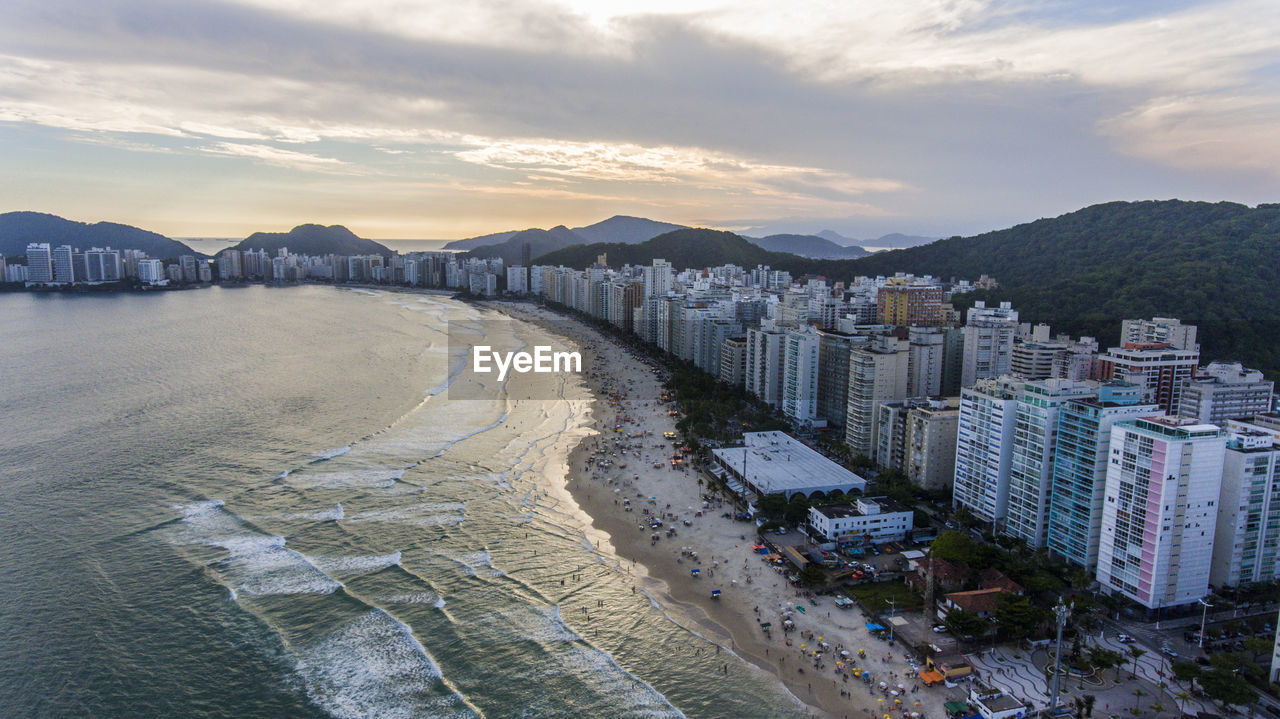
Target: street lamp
[1062, 612]
[893, 603]
[1204, 615]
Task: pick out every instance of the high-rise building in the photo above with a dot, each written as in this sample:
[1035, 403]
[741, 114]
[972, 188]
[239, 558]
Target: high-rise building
[833, 374]
[765, 364]
[988, 342]
[733, 361]
[1080, 468]
[984, 447]
[64, 265]
[877, 373]
[902, 303]
[229, 265]
[926, 350]
[1162, 370]
[1159, 513]
[39, 263]
[189, 273]
[929, 455]
[1159, 330]
[151, 271]
[103, 265]
[1031, 461]
[518, 279]
[800, 376]
[1034, 360]
[658, 278]
[1246, 547]
[1223, 391]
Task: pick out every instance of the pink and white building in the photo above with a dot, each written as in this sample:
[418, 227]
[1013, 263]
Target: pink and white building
[1164, 477]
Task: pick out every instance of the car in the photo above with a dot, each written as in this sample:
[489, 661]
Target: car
[1125, 639]
[940, 628]
[1168, 652]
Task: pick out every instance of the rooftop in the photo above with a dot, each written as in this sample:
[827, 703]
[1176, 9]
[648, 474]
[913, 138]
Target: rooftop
[978, 601]
[860, 508]
[776, 462]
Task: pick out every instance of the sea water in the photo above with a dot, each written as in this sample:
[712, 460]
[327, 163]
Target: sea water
[260, 502]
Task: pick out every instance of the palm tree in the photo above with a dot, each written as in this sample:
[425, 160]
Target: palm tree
[1137, 694]
[1136, 653]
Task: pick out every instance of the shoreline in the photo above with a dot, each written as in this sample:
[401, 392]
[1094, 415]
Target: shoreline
[752, 592]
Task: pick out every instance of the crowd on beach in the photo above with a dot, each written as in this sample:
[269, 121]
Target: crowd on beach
[690, 538]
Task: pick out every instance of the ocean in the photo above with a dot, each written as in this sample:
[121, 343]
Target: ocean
[260, 502]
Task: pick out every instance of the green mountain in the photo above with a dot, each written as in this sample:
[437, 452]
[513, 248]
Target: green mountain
[811, 246]
[1216, 265]
[625, 229]
[540, 242]
[471, 243]
[314, 240]
[19, 228]
[691, 247]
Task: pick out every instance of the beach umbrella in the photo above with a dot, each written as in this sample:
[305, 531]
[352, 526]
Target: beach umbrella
[881, 700]
[883, 685]
[901, 687]
[844, 653]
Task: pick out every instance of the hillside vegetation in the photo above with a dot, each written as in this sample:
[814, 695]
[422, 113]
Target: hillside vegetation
[1216, 265]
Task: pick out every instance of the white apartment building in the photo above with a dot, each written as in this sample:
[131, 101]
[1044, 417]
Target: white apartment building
[926, 348]
[868, 519]
[1159, 513]
[39, 263]
[1159, 330]
[1223, 391]
[988, 342]
[1246, 546]
[800, 376]
[877, 373]
[1031, 461]
[984, 447]
[765, 364]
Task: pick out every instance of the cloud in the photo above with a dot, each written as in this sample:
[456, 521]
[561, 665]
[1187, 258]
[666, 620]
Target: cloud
[939, 108]
[280, 158]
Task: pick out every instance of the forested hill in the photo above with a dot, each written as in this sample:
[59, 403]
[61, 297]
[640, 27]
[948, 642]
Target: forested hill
[693, 247]
[314, 240]
[1216, 265]
[19, 228]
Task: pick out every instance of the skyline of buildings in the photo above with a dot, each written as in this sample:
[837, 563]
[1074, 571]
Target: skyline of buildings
[1020, 425]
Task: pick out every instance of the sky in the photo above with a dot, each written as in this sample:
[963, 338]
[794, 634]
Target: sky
[403, 119]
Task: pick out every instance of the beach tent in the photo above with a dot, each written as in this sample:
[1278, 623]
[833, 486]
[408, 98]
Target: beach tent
[876, 627]
[955, 707]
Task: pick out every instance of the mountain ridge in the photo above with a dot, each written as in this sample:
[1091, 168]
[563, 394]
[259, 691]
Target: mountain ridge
[313, 239]
[17, 229]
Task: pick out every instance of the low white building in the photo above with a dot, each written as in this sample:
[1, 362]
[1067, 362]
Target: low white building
[995, 704]
[776, 463]
[868, 519]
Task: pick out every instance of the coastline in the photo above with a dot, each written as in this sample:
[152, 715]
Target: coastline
[751, 591]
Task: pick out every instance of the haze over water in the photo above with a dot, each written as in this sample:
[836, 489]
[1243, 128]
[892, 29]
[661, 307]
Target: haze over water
[257, 502]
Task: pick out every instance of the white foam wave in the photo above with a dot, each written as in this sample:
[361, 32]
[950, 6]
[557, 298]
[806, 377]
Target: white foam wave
[541, 624]
[356, 565]
[256, 563]
[353, 479]
[612, 680]
[374, 667]
[431, 514]
[332, 514]
[411, 598]
[478, 564]
[331, 453]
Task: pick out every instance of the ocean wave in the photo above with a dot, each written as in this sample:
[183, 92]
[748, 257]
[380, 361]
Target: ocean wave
[431, 514]
[374, 667]
[256, 563]
[327, 454]
[357, 564]
[612, 680]
[352, 479]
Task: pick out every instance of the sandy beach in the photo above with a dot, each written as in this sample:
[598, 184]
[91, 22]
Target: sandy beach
[623, 478]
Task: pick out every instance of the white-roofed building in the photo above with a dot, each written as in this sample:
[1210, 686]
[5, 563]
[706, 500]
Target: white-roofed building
[776, 463]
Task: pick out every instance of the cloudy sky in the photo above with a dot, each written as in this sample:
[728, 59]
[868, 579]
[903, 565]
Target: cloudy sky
[413, 119]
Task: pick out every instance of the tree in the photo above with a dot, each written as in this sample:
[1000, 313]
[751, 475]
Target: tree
[797, 509]
[1257, 646]
[954, 547]
[1227, 687]
[966, 624]
[1185, 671]
[813, 575]
[1104, 659]
[1089, 701]
[772, 505]
[1016, 615]
[1136, 653]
